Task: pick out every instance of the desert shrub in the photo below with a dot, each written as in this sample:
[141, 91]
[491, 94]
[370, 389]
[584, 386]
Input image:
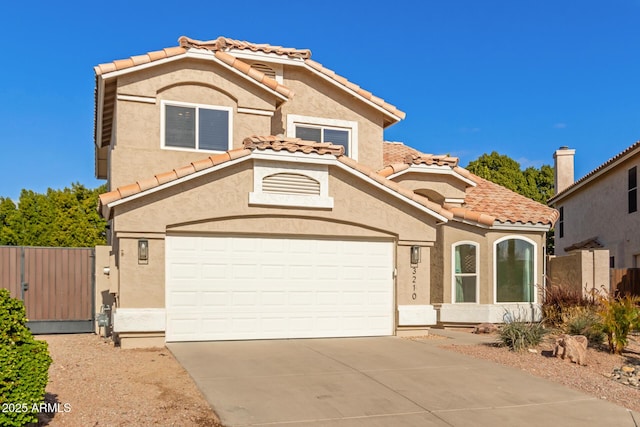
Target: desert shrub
[619, 315]
[560, 300]
[584, 321]
[24, 365]
[518, 334]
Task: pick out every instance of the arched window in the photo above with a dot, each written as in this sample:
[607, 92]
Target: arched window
[465, 272]
[514, 266]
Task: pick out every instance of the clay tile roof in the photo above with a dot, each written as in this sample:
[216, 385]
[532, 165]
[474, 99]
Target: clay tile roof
[396, 152]
[591, 243]
[225, 44]
[485, 203]
[279, 143]
[505, 205]
[355, 88]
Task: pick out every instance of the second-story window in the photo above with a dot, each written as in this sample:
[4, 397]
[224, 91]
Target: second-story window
[196, 127]
[337, 131]
[324, 134]
[633, 189]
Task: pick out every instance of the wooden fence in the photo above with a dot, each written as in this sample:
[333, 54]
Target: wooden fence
[56, 285]
[625, 281]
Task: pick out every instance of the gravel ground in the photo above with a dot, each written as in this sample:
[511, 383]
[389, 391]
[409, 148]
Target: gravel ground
[97, 384]
[102, 385]
[592, 379]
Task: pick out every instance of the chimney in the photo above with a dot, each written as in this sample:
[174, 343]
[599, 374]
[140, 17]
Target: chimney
[563, 159]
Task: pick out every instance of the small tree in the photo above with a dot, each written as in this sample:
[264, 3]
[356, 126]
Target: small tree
[619, 316]
[24, 365]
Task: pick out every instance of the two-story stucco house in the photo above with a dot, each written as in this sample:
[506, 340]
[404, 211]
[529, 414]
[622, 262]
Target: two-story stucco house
[600, 210]
[252, 196]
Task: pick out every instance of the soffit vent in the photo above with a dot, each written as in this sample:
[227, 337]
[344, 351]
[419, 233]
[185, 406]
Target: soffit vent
[290, 183]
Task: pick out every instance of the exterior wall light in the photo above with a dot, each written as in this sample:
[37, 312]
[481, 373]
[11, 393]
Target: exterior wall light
[415, 254]
[143, 251]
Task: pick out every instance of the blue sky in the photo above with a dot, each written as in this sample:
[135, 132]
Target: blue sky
[521, 78]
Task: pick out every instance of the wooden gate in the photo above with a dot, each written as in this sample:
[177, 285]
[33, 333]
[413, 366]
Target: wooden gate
[626, 281]
[56, 285]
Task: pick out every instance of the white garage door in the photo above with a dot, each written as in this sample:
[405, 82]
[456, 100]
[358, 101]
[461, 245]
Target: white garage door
[233, 288]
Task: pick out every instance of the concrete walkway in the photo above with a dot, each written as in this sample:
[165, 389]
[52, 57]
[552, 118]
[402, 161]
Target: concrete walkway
[389, 381]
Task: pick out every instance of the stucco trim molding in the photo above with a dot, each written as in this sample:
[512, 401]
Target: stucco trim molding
[140, 320]
[436, 170]
[489, 313]
[416, 315]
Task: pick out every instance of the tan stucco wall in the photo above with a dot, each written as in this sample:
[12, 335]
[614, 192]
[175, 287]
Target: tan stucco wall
[442, 282]
[136, 152]
[219, 203]
[581, 271]
[410, 274]
[600, 209]
[316, 97]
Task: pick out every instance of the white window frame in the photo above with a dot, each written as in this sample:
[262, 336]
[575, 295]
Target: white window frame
[495, 269]
[323, 123]
[454, 274]
[165, 103]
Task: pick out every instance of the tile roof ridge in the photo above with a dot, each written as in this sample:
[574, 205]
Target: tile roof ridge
[225, 44]
[432, 159]
[355, 88]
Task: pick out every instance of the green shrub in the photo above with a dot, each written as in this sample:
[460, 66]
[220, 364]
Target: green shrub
[584, 321]
[24, 365]
[619, 315]
[519, 334]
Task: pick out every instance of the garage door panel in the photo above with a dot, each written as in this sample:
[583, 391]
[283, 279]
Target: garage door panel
[222, 288]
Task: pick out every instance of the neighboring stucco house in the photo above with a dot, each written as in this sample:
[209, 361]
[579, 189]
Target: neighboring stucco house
[252, 196]
[600, 210]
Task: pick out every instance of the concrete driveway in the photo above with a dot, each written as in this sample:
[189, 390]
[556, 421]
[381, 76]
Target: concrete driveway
[378, 382]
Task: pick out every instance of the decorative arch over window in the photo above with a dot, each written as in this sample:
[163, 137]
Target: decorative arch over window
[514, 264]
[465, 262]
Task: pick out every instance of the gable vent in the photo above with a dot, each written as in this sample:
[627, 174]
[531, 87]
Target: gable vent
[268, 71]
[290, 183]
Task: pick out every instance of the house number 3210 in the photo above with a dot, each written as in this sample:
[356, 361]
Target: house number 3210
[414, 279]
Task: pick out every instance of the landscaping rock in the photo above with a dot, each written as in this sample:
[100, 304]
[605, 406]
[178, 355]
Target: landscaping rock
[485, 328]
[572, 347]
[627, 375]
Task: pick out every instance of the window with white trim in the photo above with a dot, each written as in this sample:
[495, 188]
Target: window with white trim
[514, 267]
[196, 127]
[465, 272]
[338, 132]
